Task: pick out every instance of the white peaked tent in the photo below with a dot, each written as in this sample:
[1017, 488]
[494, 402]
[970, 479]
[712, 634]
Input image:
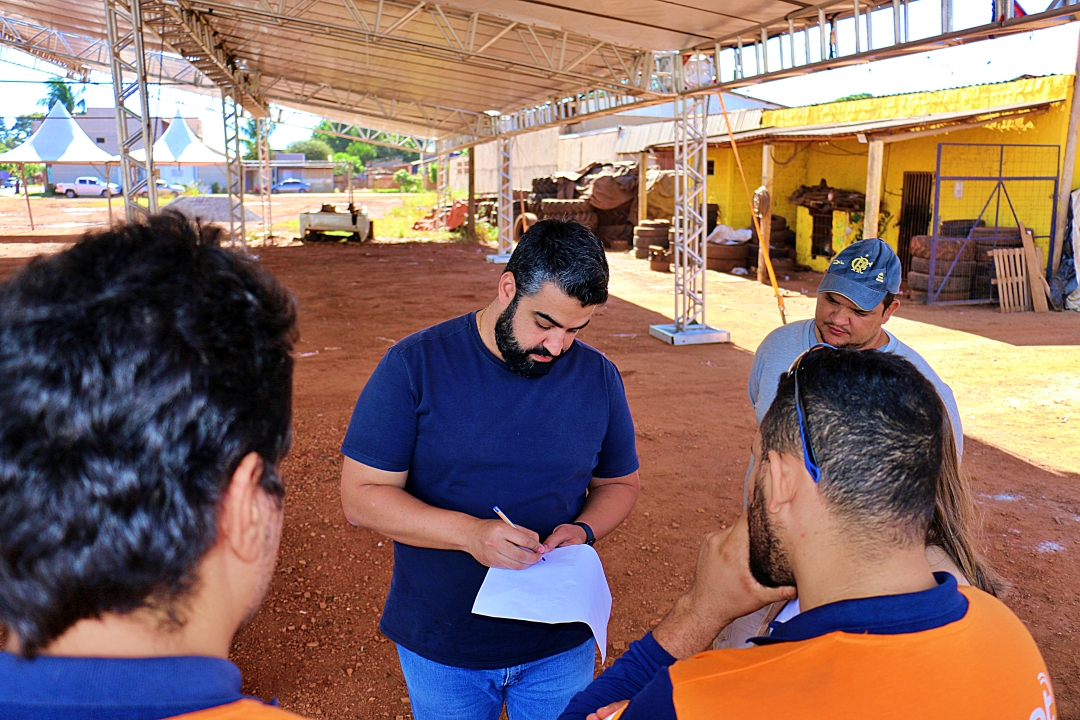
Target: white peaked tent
[59, 140]
[179, 146]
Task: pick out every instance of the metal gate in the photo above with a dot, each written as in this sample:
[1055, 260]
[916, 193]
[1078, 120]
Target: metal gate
[983, 193]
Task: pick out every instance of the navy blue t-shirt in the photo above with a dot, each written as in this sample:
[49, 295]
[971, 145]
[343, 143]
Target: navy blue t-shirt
[474, 434]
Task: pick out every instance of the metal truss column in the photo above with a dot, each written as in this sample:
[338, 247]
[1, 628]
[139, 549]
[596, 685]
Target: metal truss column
[690, 229]
[234, 169]
[262, 143]
[440, 191]
[505, 204]
[129, 86]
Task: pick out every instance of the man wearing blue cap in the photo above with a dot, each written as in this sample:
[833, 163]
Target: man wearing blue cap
[855, 299]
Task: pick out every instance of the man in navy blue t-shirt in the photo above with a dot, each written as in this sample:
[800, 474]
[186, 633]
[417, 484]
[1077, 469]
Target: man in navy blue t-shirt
[496, 408]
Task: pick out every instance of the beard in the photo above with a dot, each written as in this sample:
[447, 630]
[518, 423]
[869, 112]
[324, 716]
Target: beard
[515, 357]
[768, 560]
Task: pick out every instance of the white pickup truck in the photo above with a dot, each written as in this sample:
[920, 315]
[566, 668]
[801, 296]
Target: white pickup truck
[87, 186]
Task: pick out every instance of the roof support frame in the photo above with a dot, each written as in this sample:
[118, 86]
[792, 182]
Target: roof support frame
[824, 17]
[543, 66]
[186, 31]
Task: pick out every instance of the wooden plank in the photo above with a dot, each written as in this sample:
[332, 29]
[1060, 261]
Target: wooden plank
[1034, 272]
[1014, 294]
[1068, 162]
[874, 165]
[764, 242]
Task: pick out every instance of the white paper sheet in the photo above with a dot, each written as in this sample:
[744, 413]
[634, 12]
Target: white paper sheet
[569, 586]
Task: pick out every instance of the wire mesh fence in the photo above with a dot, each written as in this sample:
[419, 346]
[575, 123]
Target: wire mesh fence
[983, 195]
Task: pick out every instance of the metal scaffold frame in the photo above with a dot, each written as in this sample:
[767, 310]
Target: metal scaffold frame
[234, 170]
[129, 85]
[440, 191]
[505, 204]
[691, 163]
[262, 144]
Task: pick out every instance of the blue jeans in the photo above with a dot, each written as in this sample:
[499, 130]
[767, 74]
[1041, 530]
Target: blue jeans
[539, 690]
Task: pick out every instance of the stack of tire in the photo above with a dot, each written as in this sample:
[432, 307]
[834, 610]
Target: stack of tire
[781, 245]
[543, 188]
[962, 270]
[577, 210]
[651, 232]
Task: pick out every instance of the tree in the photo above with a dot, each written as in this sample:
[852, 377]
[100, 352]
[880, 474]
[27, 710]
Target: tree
[249, 135]
[407, 181]
[363, 151]
[65, 93]
[353, 162]
[359, 148]
[312, 149]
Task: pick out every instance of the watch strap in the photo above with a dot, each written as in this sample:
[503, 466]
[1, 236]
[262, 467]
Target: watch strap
[590, 538]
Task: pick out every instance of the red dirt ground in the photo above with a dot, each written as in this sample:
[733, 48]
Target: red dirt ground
[316, 645]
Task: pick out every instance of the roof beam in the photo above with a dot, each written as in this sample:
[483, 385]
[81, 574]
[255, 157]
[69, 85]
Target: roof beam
[451, 47]
[187, 31]
[739, 60]
[78, 55]
[398, 141]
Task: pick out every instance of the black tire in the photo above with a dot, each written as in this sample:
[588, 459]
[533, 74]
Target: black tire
[70, 194]
[921, 282]
[105, 193]
[962, 267]
[302, 191]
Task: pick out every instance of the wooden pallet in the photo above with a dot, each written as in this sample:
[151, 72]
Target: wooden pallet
[1014, 291]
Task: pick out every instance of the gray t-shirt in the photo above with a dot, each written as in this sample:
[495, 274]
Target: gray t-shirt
[778, 351]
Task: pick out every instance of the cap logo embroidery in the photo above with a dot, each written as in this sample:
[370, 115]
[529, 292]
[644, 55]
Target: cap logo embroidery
[861, 265]
[837, 262]
[881, 277]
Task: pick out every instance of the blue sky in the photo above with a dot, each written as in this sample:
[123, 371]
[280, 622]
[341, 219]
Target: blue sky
[1043, 52]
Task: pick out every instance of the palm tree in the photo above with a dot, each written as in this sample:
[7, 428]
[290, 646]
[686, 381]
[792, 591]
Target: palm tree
[62, 92]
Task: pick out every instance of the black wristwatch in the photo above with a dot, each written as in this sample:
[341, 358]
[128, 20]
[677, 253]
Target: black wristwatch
[589, 537]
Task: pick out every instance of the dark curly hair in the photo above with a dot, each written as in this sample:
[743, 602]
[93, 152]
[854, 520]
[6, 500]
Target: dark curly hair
[137, 369]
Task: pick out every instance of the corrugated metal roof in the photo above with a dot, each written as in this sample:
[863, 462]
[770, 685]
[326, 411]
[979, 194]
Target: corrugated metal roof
[433, 69]
[885, 126]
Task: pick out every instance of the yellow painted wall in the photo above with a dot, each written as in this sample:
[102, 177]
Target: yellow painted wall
[842, 163]
[844, 232]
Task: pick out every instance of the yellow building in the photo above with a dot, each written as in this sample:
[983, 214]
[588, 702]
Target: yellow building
[835, 142]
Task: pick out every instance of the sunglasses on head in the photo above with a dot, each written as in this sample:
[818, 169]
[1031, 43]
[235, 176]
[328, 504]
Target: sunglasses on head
[809, 458]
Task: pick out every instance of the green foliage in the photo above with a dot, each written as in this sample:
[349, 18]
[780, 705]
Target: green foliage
[249, 135]
[344, 160]
[362, 151]
[358, 148]
[312, 149]
[215, 188]
[65, 93]
[407, 181]
[433, 173]
[856, 96]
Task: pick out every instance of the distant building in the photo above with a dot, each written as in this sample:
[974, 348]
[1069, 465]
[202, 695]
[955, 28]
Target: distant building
[286, 166]
[100, 125]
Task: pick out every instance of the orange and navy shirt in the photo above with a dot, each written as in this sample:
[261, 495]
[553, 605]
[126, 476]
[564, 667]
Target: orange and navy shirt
[947, 652]
[70, 688]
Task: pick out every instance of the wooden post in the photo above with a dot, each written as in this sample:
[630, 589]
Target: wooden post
[26, 193]
[642, 190]
[764, 242]
[1068, 163]
[471, 226]
[874, 163]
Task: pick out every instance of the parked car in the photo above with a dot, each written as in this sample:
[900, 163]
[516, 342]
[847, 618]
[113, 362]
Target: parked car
[10, 181]
[291, 185]
[87, 186]
[164, 188]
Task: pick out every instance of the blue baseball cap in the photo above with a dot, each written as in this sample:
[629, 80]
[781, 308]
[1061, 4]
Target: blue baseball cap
[864, 272]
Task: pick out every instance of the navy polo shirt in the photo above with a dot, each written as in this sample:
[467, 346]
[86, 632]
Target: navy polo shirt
[472, 434]
[87, 688]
